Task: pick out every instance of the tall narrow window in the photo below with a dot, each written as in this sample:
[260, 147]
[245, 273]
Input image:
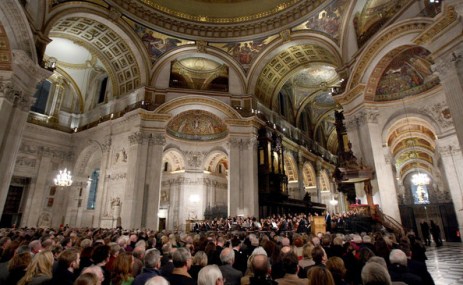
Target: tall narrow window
[101, 95]
[41, 97]
[93, 187]
[282, 104]
[166, 166]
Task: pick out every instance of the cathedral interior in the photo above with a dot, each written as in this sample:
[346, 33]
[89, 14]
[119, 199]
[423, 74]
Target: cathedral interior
[167, 111]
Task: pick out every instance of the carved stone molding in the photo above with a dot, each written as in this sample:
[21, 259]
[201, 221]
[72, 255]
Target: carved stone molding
[157, 139]
[449, 150]
[137, 138]
[243, 143]
[26, 162]
[233, 28]
[117, 176]
[194, 159]
[114, 13]
[194, 181]
[441, 114]
[106, 145]
[446, 65]
[46, 151]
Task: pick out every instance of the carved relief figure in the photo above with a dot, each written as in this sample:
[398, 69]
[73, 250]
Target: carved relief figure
[116, 207]
[44, 220]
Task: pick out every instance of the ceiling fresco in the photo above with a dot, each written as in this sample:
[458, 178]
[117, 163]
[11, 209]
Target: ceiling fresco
[245, 52]
[409, 73]
[156, 43]
[327, 21]
[315, 76]
[197, 125]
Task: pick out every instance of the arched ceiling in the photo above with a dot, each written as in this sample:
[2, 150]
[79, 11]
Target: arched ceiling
[412, 145]
[287, 63]
[99, 40]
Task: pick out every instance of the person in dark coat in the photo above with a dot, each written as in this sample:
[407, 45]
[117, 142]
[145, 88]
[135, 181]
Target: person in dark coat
[425, 232]
[68, 264]
[152, 264]
[398, 268]
[435, 231]
[232, 276]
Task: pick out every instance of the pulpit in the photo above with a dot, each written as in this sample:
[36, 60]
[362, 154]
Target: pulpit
[318, 225]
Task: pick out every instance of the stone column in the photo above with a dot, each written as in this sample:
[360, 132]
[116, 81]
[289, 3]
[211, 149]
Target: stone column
[450, 70]
[243, 190]
[132, 202]
[38, 191]
[452, 162]
[16, 99]
[363, 128]
[155, 153]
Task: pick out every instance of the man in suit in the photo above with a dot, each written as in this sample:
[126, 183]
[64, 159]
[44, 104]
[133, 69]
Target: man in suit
[231, 275]
[328, 221]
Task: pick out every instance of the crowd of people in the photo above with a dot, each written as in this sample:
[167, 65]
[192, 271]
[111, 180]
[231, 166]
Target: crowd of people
[274, 253]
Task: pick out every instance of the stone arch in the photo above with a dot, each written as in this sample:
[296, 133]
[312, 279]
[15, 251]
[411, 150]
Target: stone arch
[214, 106]
[291, 167]
[108, 42]
[281, 60]
[399, 34]
[174, 158]
[324, 181]
[161, 69]
[309, 176]
[215, 160]
[90, 153]
[17, 28]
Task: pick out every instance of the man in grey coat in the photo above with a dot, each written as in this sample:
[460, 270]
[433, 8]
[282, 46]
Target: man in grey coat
[231, 275]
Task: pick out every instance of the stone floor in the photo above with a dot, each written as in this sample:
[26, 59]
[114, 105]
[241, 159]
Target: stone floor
[446, 263]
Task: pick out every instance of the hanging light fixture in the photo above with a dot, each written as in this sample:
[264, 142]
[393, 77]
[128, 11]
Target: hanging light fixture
[64, 178]
[418, 179]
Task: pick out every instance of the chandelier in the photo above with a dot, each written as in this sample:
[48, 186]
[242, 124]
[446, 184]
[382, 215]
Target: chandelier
[420, 179]
[64, 178]
[333, 202]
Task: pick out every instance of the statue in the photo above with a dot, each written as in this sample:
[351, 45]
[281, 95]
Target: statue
[116, 207]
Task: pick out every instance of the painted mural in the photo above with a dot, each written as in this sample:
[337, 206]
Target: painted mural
[409, 73]
[197, 125]
[328, 20]
[245, 52]
[156, 43]
[373, 17]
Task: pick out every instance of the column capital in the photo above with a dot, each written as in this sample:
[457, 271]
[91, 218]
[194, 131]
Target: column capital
[448, 150]
[157, 139]
[243, 143]
[138, 138]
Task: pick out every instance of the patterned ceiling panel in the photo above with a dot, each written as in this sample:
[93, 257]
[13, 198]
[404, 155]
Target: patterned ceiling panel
[282, 64]
[111, 48]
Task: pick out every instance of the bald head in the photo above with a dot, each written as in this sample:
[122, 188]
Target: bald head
[260, 265]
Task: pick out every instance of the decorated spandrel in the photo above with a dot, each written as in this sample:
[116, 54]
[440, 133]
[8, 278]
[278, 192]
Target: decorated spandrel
[156, 43]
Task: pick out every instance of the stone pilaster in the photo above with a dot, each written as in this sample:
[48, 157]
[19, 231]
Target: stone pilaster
[155, 153]
[452, 162]
[101, 192]
[449, 67]
[132, 205]
[318, 178]
[243, 191]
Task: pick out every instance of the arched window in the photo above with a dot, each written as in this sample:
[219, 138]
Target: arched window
[41, 97]
[93, 187]
[102, 92]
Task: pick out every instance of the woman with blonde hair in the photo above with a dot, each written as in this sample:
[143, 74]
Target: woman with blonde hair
[199, 261]
[122, 269]
[39, 271]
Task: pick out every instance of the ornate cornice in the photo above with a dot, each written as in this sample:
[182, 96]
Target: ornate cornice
[448, 17]
[200, 27]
